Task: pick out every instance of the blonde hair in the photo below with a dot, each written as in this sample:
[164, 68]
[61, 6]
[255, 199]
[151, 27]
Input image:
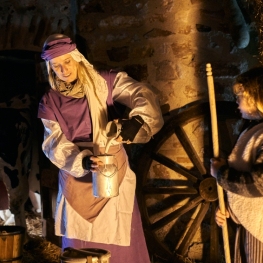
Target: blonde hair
[250, 84]
[85, 78]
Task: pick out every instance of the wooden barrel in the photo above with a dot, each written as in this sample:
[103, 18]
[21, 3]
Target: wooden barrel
[85, 255]
[11, 243]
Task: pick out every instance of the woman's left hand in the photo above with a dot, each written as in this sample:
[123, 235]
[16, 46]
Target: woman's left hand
[129, 128]
[216, 163]
[120, 139]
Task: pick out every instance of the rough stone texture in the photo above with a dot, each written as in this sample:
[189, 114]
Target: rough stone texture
[26, 24]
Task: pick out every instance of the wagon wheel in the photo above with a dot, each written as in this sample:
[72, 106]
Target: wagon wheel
[176, 194]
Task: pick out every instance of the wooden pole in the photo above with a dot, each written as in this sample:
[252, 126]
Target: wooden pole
[210, 83]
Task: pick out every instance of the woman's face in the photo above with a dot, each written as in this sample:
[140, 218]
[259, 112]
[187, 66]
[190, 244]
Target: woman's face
[65, 67]
[247, 108]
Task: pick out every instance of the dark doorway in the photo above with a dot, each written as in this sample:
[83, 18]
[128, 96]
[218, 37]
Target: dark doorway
[17, 73]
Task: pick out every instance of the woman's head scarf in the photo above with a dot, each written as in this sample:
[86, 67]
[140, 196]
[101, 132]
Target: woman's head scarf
[57, 45]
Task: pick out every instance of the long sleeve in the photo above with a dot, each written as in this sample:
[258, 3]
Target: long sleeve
[249, 184]
[142, 101]
[245, 183]
[60, 151]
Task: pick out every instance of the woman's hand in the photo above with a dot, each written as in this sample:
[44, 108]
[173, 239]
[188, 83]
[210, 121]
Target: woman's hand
[119, 137]
[91, 163]
[129, 128]
[220, 218]
[216, 163]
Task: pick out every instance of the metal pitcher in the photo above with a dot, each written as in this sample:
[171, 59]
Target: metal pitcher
[105, 181]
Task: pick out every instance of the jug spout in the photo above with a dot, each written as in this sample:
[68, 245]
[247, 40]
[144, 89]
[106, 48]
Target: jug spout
[113, 130]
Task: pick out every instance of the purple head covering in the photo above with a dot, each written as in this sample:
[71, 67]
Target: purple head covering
[57, 45]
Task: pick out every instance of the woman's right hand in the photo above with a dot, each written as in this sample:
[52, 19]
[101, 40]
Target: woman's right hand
[91, 163]
[220, 218]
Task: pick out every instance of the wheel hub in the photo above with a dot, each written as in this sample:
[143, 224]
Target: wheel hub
[208, 189]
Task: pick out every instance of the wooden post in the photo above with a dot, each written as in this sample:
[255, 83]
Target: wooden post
[210, 83]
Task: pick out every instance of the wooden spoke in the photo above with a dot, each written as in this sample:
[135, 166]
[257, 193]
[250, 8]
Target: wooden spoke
[214, 235]
[191, 231]
[166, 206]
[170, 190]
[189, 149]
[182, 210]
[173, 165]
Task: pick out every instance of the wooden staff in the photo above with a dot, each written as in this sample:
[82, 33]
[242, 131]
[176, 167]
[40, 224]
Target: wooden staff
[210, 83]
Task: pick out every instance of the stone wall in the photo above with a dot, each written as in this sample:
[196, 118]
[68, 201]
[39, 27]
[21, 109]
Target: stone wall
[164, 42]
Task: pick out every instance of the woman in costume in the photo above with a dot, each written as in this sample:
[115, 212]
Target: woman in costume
[75, 112]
